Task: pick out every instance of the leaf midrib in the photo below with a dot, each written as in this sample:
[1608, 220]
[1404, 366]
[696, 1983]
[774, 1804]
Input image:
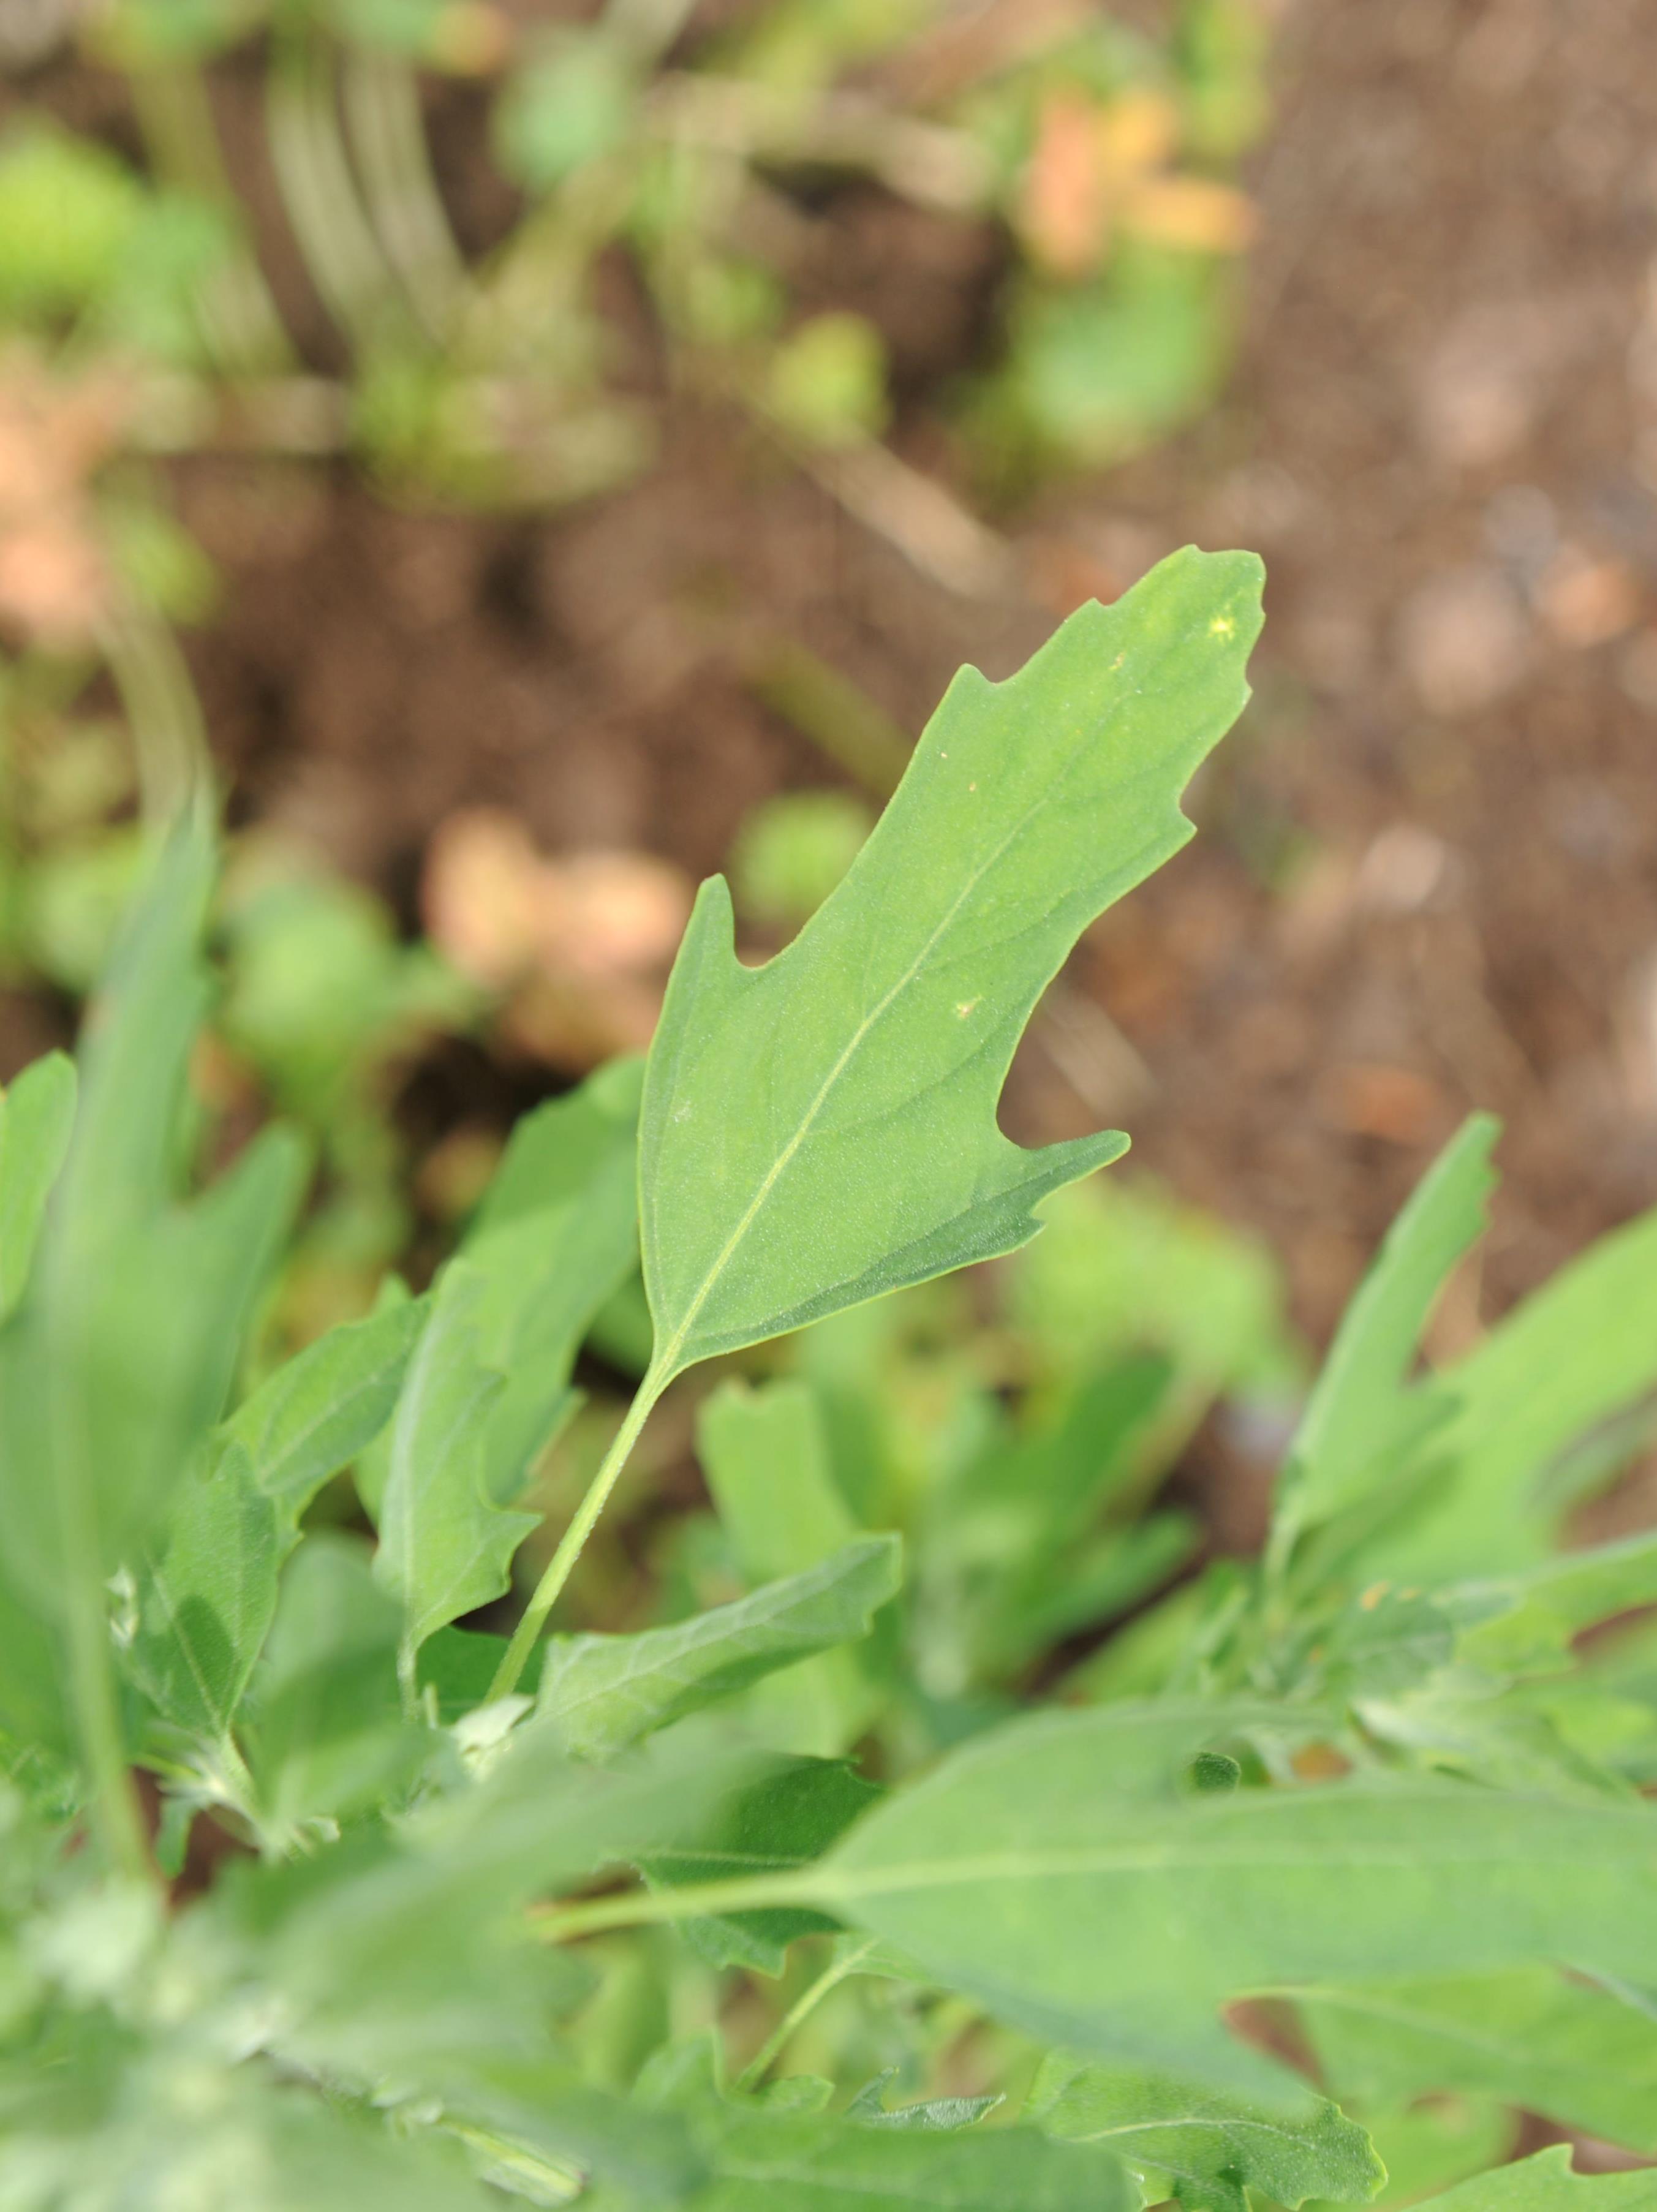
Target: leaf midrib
[668, 1360]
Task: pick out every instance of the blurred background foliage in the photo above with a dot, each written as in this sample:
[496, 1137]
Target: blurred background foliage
[655, 168]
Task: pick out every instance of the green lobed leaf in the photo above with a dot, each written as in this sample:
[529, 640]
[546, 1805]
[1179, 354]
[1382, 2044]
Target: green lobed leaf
[206, 1600]
[445, 1546]
[1062, 1870]
[1543, 1609]
[1429, 2147]
[1360, 1415]
[37, 1117]
[764, 2156]
[940, 2114]
[763, 2160]
[604, 1692]
[823, 1129]
[1204, 2147]
[322, 1407]
[1531, 2037]
[1482, 1634]
[1547, 2183]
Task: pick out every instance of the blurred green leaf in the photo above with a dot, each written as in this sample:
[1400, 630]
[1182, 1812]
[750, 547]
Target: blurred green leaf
[37, 1116]
[326, 1737]
[322, 1407]
[139, 33]
[762, 2158]
[765, 1455]
[1123, 1268]
[782, 1819]
[159, 560]
[792, 852]
[206, 1599]
[604, 1692]
[1205, 2148]
[445, 1546]
[1432, 2144]
[119, 1362]
[1221, 49]
[1547, 2183]
[1059, 1870]
[826, 381]
[1531, 2037]
[68, 210]
[572, 103]
[1096, 371]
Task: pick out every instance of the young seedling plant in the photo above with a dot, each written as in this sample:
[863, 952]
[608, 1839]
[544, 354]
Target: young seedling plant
[313, 1894]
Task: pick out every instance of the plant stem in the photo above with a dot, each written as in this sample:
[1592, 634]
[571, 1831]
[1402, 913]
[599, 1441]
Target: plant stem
[116, 1819]
[113, 1803]
[643, 1908]
[837, 1971]
[574, 1538]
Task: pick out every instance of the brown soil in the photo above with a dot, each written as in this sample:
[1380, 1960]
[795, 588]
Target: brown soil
[1428, 878]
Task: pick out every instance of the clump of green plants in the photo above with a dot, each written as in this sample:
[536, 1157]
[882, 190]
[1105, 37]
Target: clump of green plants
[324, 1885]
[1096, 165]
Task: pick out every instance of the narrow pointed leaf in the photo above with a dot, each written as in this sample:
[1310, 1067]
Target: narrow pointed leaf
[823, 1129]
[556, 1237]
[112, 1383]
[1577, 1353]
[1359, 1410]
[1204, 2147]
[604, 1692]
[37, 1116]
